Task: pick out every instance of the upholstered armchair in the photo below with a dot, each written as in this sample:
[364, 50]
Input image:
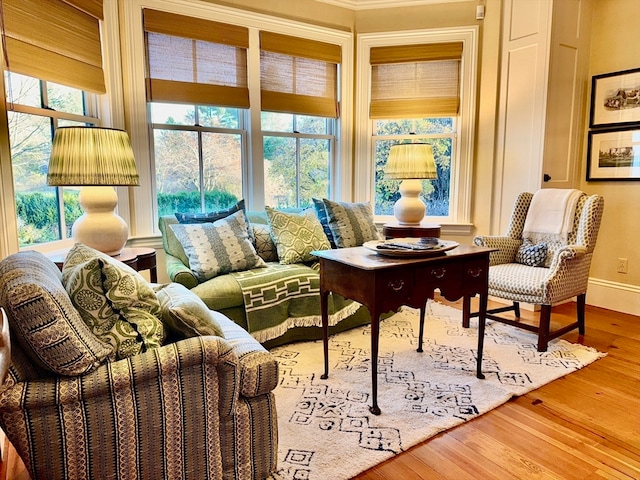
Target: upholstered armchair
[194, 408]
[560, 273]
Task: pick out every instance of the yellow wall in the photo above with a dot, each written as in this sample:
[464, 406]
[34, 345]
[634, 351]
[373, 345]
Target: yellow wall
[615, 46]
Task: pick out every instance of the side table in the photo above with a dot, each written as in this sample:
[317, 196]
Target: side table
[397, 230]
[138, 258]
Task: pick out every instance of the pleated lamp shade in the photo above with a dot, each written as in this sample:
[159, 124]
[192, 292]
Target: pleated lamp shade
[411, 163]
[98, 159]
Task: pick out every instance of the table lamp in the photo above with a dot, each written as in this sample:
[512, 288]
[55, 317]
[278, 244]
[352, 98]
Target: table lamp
[96, 159]
[410, 162]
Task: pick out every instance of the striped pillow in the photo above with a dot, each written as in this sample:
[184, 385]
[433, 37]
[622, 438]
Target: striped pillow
[351, 223]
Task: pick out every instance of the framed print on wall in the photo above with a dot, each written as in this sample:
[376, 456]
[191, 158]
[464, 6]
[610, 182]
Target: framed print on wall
[615, 99]
[614, 154]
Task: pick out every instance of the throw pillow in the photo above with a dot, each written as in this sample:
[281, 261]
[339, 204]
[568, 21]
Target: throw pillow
[264, 243]
[115, 301]
[296, 235]
[219, 247]
[209, 217]
[533, 255]
[321, 212]
[185, 314]
[44, 322]
[351, 223]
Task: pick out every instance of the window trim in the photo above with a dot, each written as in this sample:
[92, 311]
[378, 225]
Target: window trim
[142, 223]
[462, 163]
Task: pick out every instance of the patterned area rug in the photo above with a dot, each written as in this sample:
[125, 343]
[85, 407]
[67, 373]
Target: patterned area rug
[325, 428]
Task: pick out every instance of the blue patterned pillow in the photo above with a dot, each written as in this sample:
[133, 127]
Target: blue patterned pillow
[217, 248]
[351, 223]
[531, 254]
[209, 217]
[321, 213]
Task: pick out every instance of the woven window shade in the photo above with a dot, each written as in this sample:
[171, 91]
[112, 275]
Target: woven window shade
[298, 75]
[56, 40]
[415, 80]
[197, 61]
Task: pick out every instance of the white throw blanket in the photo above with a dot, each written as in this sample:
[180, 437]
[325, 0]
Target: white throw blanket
[551, 211]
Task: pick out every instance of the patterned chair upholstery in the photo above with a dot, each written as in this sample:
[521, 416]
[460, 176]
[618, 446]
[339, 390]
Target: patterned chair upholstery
[565, 273]
[196, 408]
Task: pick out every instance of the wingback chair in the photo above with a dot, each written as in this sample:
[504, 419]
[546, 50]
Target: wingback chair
[562, 275]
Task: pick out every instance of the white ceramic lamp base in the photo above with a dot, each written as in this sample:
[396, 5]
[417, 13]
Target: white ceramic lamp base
[409, 209]
[99, 227]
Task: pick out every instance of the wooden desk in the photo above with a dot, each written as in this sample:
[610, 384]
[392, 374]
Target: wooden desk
[397, 230]
[384, 284]
[138, 258]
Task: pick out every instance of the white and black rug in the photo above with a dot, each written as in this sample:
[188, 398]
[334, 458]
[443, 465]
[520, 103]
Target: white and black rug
[325, 428]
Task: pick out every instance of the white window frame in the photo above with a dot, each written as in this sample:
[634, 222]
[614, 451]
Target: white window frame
[134, 91]
[458, 222]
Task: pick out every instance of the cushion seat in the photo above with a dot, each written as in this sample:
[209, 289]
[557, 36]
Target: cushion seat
[526, 282]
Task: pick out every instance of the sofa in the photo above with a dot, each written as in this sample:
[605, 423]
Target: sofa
[188, 395]
[285, 307]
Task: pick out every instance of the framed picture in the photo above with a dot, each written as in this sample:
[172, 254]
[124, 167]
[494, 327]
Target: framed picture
[614, 154]
[615, 99]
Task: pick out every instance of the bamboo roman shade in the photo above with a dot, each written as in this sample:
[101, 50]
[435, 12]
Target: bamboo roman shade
[415, 80]
[298, 75]
[55, 40]
[191, 60]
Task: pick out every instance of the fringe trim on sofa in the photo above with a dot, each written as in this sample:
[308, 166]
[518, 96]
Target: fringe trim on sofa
[308, 321]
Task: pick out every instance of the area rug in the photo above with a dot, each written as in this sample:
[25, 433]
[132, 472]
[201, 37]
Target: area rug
[325, 428]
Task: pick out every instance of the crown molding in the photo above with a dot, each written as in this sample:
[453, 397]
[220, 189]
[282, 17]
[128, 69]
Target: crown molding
[371, 4]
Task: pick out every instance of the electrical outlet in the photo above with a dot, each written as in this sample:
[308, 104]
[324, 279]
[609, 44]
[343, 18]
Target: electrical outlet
[623, 265]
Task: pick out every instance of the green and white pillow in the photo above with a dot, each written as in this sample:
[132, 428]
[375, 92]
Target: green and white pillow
[351, 223]
[217, 248]
[115, 301]
[185, 314]
[296, 235]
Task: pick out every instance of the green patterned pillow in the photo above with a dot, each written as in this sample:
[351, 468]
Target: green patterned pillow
[115, 301]
[185, 314]
[217, 248]
[296, 235]
[351, 223]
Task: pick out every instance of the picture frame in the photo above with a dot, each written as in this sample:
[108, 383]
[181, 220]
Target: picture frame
[614, 154]
[615, 99]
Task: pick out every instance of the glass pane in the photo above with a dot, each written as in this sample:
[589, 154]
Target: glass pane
[22, 90]
[314, 171]
[308, 124]
[65, 99]
[36, 203]
[221, 117]
[276, 122]
[72, 208]
[280, 172]
[419, 126]
[177, 172]
[222, 170]
[172, 113]
[435, 193]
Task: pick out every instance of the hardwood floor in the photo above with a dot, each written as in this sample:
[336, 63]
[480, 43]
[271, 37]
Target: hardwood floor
[583, 426]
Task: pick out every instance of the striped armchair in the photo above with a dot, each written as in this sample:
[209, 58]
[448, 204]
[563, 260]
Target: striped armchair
[563, 275]
[198, 408]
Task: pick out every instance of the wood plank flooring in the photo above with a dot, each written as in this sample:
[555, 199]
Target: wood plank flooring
[583, 426]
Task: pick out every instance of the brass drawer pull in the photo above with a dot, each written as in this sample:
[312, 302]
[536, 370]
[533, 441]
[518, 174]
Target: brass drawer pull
[396, 285]
[438, 273]
[475, 272]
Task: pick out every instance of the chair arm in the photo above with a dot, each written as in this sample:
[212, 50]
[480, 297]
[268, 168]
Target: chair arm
[568, 273]
[179, 272]
[565, 253]
[507, 248]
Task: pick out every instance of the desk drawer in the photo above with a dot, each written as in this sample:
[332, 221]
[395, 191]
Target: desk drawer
[435, 276]
[394, 286]
[475, 275]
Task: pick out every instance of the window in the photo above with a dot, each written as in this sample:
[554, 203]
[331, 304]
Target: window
[419, 88]
[38, 107]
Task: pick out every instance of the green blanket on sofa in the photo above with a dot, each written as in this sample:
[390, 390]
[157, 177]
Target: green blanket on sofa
[289, 292]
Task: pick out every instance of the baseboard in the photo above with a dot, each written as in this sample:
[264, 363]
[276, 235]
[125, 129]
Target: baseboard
[620, 297]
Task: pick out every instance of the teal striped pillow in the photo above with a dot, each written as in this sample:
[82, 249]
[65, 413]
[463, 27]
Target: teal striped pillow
[351, 223]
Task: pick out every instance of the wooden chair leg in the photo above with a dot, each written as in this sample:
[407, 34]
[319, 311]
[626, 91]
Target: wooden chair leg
[516, 309]
[543, 329]
[580, 303]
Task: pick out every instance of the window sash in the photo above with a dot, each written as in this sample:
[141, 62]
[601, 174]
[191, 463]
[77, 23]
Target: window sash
[53, 40]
